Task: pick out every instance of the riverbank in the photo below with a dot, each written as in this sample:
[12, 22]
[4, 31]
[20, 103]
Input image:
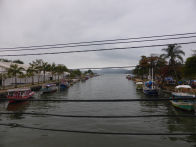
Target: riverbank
[164, 87]
[38, 86]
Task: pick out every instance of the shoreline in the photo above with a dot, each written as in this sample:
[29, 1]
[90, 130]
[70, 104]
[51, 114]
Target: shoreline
[35, 86]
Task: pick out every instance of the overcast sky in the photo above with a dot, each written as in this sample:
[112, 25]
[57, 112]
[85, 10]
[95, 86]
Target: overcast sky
[38, 22]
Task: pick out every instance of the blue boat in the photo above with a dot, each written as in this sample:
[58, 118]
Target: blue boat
[150, 88]
[48, 88]
[64, 85]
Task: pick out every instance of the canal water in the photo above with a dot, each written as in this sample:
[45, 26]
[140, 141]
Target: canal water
[102, 87]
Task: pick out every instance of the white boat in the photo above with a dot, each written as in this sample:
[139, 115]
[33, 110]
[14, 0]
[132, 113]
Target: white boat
[139, 85]
[183, 91]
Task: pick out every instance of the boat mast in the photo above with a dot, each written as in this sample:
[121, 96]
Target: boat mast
[152, 77]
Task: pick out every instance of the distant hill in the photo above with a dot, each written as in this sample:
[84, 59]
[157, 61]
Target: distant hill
[113, 71]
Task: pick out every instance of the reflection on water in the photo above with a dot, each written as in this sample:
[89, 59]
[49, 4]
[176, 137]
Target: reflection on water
[17, 107]
[103, 87]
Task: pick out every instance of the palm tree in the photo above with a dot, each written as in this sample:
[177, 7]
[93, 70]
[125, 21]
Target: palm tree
[3, 77]
[53, 69]
[45, 67]
[60, 69]
[37, 65]
[15, 71]
[174, 54]
[31, 71]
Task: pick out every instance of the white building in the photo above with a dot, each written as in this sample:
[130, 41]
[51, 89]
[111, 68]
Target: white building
[4, 66]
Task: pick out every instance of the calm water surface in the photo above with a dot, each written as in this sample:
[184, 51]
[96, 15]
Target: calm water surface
[102, 87]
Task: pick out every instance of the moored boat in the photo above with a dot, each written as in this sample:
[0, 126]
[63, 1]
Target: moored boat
[139, 85]
[183, 91]
[128, 77]
[48, 88]
[64, 85]
[150, 88]
[19, 94]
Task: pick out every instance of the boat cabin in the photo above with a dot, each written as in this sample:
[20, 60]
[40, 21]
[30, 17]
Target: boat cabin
[18, 93]
[49, 85]
[183, 89]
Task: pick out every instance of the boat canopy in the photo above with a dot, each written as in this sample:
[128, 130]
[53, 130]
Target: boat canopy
[50, 85]
[183, 86]
[18, 89]
[139, 83]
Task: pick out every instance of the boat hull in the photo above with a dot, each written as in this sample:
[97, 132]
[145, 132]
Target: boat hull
[49, 90]
[188, 106]
[13, 99]
[63, 86]
[150, 91]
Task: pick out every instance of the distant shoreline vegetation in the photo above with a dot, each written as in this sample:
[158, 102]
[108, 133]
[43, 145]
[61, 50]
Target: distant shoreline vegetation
[168, 64]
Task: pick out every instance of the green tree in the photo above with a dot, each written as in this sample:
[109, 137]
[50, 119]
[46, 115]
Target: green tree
[15, 71]
[45, 67]
[18, 61]
[190, 67]
[75, 73]
[60, 69]
[31, 71]
[3, 77]
[53, 69]
[174, 54]
[38, 67]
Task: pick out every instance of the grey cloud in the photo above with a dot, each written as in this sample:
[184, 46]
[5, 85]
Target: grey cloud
[27, 22]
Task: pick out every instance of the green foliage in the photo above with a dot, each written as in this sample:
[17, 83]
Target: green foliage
[142, 70]
[190, 67]
[60, 69]
[90, 72]
[75, 73]
[15, 71]
[18, 61]
[5, 60]
[173, 53]
[14, 61]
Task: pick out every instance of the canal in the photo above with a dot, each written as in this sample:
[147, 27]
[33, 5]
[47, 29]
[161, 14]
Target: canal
[102, 87]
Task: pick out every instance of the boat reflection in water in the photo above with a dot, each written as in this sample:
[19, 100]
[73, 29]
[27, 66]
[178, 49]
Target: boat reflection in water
[17, 107]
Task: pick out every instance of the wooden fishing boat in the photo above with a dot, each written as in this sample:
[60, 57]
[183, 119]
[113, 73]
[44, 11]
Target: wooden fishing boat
[183, 91]
[139, 85]
[48, 88]
[19, 94]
